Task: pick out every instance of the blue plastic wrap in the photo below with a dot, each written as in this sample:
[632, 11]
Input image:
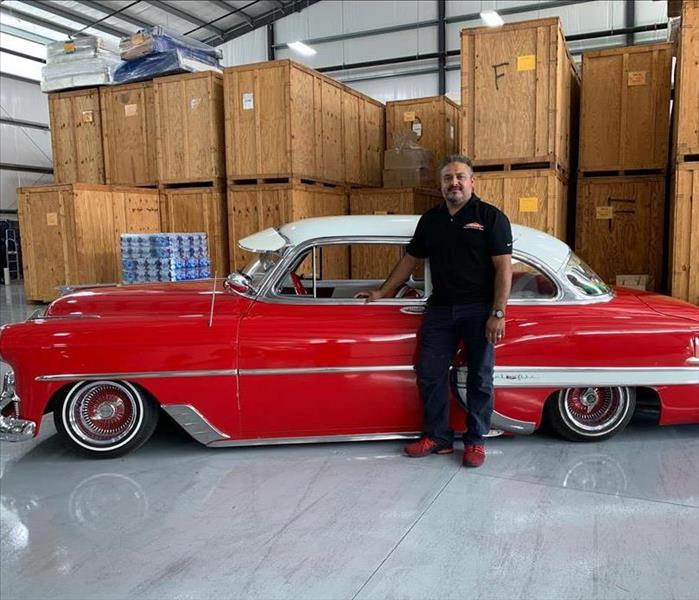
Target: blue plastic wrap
[164, 63]
[157, 39]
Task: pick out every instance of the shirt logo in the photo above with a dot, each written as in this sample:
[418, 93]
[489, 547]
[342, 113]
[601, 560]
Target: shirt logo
[474, 225]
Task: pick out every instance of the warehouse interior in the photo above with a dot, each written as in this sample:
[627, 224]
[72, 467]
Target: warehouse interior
[256, 113]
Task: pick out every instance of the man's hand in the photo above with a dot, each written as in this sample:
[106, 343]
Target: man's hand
[371, 295]
[495, 330]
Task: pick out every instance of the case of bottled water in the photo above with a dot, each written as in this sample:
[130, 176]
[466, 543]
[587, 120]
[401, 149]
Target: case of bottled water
[149, 257]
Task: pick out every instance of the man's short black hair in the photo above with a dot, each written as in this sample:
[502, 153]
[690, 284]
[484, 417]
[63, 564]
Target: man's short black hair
[458, 158]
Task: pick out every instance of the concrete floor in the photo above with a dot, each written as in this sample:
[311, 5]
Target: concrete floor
[542, 519]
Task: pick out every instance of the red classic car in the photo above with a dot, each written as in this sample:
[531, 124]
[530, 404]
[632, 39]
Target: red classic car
[283, 352]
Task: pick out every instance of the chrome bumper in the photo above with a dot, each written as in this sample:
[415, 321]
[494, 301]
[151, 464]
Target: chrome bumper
[13, 429]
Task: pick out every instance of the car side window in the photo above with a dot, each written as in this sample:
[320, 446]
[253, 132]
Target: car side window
[530, 283]
[327, 272]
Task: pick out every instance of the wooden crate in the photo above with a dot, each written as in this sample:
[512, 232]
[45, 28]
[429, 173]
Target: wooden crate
[518, 83]
[285, 120]
[625, 109]
[199, 209]
[687, 85]
[254, 208]
[189, 128]
[70, 233]
[684, 233]
[128, 129]
[76, 136]
[620, 226]
[535, 198]
[377, 262]
[435, 121]
[363, 138]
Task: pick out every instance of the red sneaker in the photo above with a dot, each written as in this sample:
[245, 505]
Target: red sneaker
[425, 446]
[474, 455]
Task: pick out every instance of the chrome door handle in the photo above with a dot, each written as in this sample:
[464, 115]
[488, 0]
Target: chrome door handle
[413, 310]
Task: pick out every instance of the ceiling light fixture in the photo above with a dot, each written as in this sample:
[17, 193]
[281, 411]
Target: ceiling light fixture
[302, 48]
[491, 18]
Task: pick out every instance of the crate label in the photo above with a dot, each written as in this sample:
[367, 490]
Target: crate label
[51, 219]
[638, 282]
[638, 78]
[380, 212]
[248, 101]
[417, 128]
[526, 62]
[69, 47]
[604, 212]
[408, 116]
[451, 132]
[529, 204]
[130, 110]
[88, 116]
[194, 103]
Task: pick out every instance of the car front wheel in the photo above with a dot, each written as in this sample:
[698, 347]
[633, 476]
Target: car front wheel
[105, 419]
[591, 413]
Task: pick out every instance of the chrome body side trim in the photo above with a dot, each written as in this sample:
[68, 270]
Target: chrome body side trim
[326, 370]
[136, 375]
[194, 423]
[13, 429]
[317, 439]
[565, 377]
[500, 421]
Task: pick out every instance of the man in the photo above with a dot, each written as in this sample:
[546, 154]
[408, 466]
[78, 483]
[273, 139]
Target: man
[469, 245]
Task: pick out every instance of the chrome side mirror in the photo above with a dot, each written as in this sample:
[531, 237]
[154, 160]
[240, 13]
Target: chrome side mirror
[238, 282]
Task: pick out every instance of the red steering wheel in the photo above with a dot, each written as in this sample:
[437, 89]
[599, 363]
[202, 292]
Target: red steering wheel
[298, 286]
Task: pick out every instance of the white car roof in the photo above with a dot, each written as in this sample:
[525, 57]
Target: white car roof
[526, 240]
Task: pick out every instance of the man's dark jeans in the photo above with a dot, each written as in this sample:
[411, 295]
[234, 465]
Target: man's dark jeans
[441, 331]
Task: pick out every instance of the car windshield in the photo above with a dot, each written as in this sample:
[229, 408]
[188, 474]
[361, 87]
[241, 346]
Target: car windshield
[261, 264]
[584, 278]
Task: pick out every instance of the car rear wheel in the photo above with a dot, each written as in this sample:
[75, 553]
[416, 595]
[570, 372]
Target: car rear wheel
[105, 419]
[591, 413]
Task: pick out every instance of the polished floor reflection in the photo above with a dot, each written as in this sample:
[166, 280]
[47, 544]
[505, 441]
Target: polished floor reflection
[542, 519]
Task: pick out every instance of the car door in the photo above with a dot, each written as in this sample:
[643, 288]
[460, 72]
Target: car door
[323, 363]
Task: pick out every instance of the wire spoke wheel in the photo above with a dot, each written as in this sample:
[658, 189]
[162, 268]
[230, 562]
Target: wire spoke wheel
[591, 413]
[108, 418]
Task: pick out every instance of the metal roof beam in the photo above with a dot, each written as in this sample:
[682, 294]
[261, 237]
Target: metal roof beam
[107, 10]
[267, 18]
[180, 14]
[37, 21]
[64, 14]
[239, 11]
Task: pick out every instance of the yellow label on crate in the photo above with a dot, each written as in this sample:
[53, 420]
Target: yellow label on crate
[380, 212]
[88, 116]
[69, 47]
[604, 212]
[409, 116]
[638, 78]
[52, 219]
[529, 204]
[130, 110]
[526, 62]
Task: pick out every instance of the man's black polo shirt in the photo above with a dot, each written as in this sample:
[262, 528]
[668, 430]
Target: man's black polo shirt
[459, 248]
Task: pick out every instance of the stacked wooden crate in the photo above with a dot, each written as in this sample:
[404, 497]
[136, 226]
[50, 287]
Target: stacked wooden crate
[70, 233]
[294, 140]
[624, 134]
[684, 196]
[519, 89]
[434, 124]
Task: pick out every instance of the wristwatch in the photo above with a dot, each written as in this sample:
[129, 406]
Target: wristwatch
[497, 313]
